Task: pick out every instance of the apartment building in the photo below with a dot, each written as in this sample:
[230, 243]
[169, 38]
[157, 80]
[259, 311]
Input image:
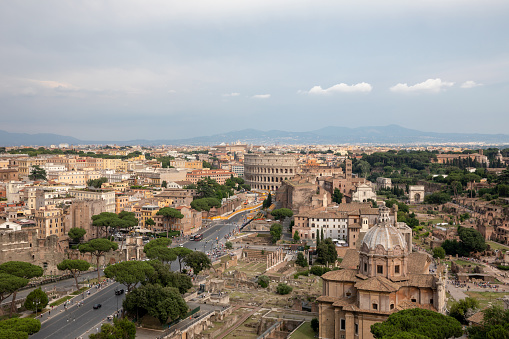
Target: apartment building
[87, 194]
[218, 175]
[49, 220]
[72, 177]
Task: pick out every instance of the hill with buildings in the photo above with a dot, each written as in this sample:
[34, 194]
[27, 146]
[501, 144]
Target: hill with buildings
[391, 134]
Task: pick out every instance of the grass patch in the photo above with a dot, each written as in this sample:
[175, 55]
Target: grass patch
[303, 332]
[488, 298]
[81, 290]
[465, 263]
[497, 246]
[60, 301]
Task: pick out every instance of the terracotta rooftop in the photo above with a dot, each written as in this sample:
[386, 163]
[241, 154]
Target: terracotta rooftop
[351, 259]
[477, 318]
[417, 261]
[343, 275]
[379, 284]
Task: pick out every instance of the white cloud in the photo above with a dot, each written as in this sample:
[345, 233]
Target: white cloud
[261, 96]
[172, 91]
[340, 88]
[430, 85]
[470, 84]
[231, 95]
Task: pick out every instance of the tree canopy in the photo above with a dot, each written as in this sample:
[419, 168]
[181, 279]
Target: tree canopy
[107, 220]
[267, 201]
[205, 204]
[337, 196]
[15, 328]
[76, 233]
[98, 247]
[326, 252]
[166, 278]
[164, 242]
[198, 261]
[121, 329]
[495, 324]
[463, 309]
[282, 213]
[9, 284]
[97, 183]
[181, 253]
[37, 173]
[36, 300]
[22, 270]
[129, 273]
[209, 188]
[164, 303]
[75, 267]
[417, 322]
[276, 230]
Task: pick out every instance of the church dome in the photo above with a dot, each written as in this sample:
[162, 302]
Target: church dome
[386, 235]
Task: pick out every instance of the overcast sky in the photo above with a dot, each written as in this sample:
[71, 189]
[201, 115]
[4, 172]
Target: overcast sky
[120, 70]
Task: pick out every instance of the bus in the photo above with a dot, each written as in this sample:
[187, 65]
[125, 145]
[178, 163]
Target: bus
[198, 237]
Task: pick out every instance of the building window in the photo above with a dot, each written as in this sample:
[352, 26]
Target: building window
[414, 300]
[365, 267]
[392, 306]
[379, 269]
[431, 301]
[396, 269]
[356, 329]
[342, 324]
[375, 306]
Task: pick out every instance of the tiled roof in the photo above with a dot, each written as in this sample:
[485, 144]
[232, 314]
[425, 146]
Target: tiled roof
[341, 275]
[406, 305]
[379, 284]
[420, 280]
[476, 318]
[416, 262]
[351, 259]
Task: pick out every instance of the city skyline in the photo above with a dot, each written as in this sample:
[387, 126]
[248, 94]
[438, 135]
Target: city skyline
[123, 70]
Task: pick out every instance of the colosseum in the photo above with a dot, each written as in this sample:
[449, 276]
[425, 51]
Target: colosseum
[267, 171]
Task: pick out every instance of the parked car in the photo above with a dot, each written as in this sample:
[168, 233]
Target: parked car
[119, 292]
[97, 306]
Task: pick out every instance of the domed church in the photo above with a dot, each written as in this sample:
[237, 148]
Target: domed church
[379, 278]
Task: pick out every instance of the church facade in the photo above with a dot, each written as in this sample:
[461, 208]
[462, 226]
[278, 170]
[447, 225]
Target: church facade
[380, 278]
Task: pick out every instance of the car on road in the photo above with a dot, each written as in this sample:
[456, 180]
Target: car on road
[97, 306]
[181, 245]
[119, 292]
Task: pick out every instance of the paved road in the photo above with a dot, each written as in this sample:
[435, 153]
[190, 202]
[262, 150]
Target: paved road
[62, 285]
[76, 321]
[213, 235]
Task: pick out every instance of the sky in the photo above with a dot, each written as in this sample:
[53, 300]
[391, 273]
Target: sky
[168, 69]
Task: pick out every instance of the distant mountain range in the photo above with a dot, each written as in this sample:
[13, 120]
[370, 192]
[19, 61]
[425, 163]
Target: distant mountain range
[376, 135]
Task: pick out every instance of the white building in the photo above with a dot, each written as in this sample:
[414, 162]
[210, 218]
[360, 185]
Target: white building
[363, 193]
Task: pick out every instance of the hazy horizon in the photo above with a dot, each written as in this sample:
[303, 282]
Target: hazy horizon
[124, 70]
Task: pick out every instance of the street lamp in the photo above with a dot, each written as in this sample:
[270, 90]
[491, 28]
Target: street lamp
[37, 302]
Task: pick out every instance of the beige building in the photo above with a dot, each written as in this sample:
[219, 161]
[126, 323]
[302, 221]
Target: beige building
[382, 278]
[218, 175]
[73, 177]
[50, 221]
[269, 171]
[108, 197]
[25, 165]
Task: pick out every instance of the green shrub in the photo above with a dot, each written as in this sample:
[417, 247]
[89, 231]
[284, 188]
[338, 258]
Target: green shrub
[263, 281]
[283, 289]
